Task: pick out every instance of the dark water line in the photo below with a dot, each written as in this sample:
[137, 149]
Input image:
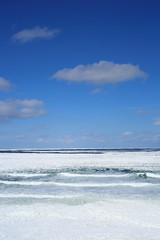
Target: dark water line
[78, 150]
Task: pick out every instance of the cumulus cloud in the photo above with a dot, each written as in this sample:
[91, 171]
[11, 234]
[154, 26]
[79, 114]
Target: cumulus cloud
[101, 73]
[157, 122]
[5, 85]
[27, 35]
[11, 109]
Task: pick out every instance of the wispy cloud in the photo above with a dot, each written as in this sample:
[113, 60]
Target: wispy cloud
[67, 139]
[45, 139]
[5, 85]
[27, 35]
[11, 109]
[39, 127]
[101, 73]
[157, 121]
[142, 112]
[96, 91]
[127, 133]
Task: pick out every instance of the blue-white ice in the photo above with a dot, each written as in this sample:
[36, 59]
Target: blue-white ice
[114, 195]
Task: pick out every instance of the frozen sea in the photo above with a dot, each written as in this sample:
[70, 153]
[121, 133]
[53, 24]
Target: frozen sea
[80, 194]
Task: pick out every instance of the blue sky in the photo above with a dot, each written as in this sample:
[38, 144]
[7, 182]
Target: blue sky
[79, 74]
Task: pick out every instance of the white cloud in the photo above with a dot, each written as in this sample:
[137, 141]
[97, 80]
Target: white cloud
[5, 85]
[28, 35]
[127, 133]
[157, 122]
[96, 91]
[11, 109]
[66, 139]
[156, 137]
[39, 127]
[142, 112]
[44, 140]
[101, 73]
[29, 103]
